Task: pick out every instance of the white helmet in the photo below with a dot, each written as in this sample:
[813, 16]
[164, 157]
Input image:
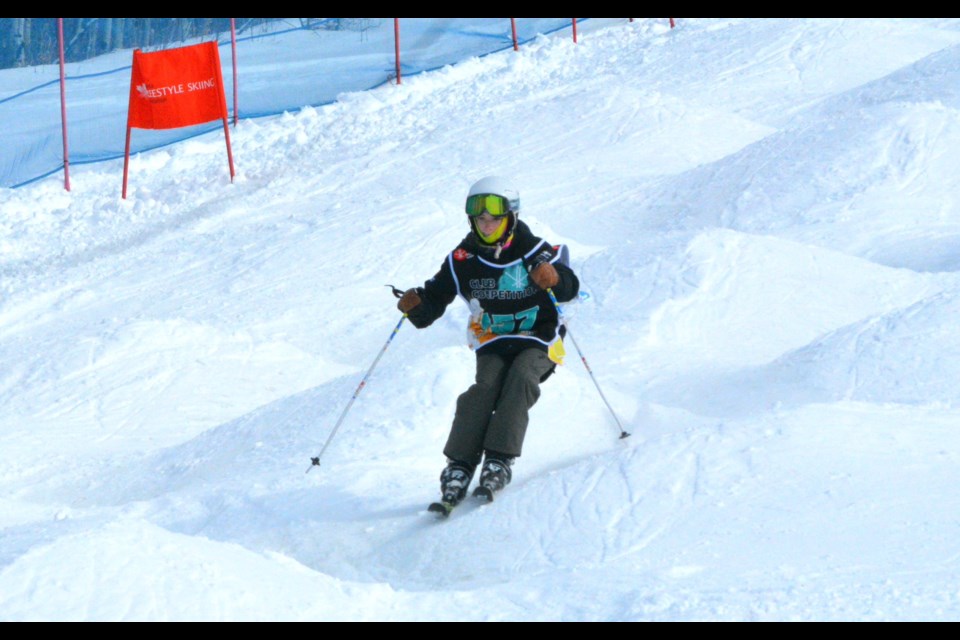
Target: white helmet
[496, 196]
[497, 186]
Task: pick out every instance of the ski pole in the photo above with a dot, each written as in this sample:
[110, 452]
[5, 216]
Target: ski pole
[315, 462]
[623, 432]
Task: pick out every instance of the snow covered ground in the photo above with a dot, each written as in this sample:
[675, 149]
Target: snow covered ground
[764, 213]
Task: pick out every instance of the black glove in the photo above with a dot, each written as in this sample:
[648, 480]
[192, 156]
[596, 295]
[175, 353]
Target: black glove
[408, 300]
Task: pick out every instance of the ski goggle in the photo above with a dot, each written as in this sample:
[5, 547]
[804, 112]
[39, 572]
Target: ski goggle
[495, 205]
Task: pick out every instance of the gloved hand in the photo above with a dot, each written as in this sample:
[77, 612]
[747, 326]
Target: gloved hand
[545, 276]
[408, 300]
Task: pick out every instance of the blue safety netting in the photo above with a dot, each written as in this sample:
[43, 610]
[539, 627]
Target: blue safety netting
[283, 67]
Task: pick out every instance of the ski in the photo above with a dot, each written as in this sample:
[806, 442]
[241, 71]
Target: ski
[483, 493]
[442, 509]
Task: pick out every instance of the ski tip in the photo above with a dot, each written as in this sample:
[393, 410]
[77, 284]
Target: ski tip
[482, 493]
[442, 509]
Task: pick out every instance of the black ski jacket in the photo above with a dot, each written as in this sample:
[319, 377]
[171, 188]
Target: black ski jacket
[517, 313]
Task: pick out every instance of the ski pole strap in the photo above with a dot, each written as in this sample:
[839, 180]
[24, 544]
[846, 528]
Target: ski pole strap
[556, 303]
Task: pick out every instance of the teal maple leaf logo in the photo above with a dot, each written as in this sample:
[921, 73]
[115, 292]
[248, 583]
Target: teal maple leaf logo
[513, 279]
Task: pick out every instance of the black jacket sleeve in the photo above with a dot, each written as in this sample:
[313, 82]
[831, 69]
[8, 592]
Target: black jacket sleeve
[569, 285]
[435, 295]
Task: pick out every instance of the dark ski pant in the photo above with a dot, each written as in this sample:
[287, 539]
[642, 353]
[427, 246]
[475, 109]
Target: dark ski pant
[493, 413]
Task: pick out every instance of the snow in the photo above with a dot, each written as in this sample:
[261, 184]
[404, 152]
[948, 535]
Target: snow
[764, 215]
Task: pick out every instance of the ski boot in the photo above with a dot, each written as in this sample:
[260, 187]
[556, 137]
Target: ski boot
[494, 476]
[454, 481]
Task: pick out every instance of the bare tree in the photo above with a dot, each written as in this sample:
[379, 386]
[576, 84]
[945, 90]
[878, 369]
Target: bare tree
[21, 40]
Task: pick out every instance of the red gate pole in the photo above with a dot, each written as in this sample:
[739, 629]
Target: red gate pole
[226, 134]
[672, 23]
[233, 46]
[574, 30]
[126, 157]
[126, 148]
[396, 44]
[226, 124]
[513, 27]
[63, 110]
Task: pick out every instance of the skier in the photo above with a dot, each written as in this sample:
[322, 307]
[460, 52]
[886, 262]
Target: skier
[506, 275]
